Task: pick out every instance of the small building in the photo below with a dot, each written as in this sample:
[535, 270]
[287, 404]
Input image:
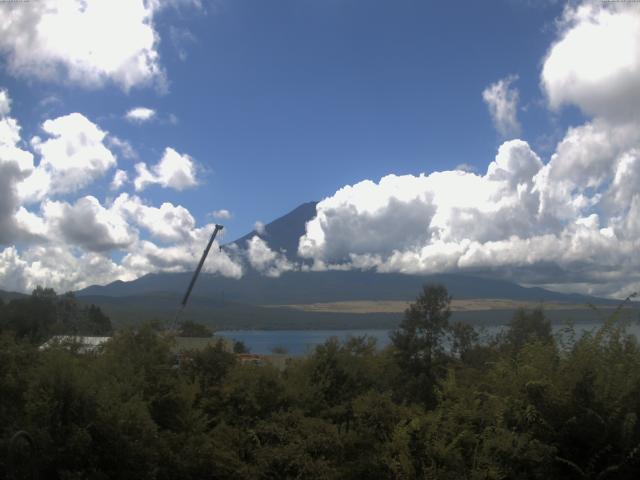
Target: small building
[277, 360]
[84, 344]
[249, 359]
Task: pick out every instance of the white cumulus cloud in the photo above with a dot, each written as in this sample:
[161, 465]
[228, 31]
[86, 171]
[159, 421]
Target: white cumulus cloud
[70, 244]
[259, 226]
[168, 223]
[222, 214]
[87, 224]
[73, 157]
[56, 266]
[88, 43]
[16, 164]
[119, 179]
[571, 224]
[595, 64]
[408, 212]
[5, 103]
[140, 114]
[265, 260]
[521, 219]
[172, 171]
[502, 100]
[146, 257]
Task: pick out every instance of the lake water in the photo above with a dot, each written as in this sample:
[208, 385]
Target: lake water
[302, 342]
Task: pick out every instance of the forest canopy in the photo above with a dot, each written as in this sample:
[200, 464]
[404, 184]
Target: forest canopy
[436, 403]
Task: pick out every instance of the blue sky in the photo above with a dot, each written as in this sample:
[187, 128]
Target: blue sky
[269, 104]
[283, 102]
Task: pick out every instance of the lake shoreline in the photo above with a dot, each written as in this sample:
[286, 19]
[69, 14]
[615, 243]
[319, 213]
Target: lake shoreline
[297, 342]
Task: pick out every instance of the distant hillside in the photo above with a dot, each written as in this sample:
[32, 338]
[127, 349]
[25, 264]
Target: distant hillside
[330, 286]
[230, 315]
[7, 296]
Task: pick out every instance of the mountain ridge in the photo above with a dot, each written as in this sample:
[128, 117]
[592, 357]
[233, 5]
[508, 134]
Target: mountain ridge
[296, 287]
[328, 286]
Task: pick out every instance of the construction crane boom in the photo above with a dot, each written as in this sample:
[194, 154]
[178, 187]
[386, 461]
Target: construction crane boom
[197, 272]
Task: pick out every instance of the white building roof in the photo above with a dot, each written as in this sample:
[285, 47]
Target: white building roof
[87, 344]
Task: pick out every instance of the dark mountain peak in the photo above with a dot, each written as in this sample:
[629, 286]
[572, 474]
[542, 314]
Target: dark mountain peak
[284, 232]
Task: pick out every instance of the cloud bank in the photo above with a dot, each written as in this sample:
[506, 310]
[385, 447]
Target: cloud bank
[569, 224]
[47, 239]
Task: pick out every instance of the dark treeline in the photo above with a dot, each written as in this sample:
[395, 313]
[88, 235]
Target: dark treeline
[44, 313]
[525, 405]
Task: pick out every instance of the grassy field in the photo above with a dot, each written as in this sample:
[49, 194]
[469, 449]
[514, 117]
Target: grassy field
[465, 305]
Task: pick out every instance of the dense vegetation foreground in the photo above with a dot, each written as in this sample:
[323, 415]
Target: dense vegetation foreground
[435, 404]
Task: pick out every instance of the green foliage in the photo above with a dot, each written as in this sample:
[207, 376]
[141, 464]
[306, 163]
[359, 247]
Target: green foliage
[527, 327]
[251, 393]
[464, 340]
[97, 322]
[189, 328]
[525, 406]
[239, 347]
[209, 366]
[291, 445]
[418, 343]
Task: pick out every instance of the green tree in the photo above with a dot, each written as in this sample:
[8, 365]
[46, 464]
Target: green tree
[209, 366]
[97, 322]
[464, 339]
[251, 393]
[290, 445]
[34, 317]
[528, 327]
[70, 317]
[418, 342]
[45, 313]
[339, 372]
[240, 347]
[189, 328]
[44, 293]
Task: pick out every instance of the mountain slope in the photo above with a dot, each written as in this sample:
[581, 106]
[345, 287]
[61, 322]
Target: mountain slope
[7, 296]
[283, 233]
[330, 286]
